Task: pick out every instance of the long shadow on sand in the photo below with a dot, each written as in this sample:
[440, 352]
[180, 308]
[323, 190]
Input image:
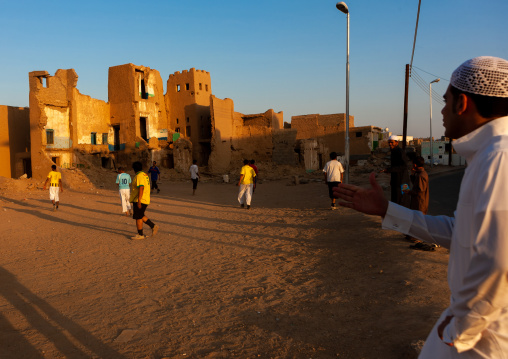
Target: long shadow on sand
[68, 337]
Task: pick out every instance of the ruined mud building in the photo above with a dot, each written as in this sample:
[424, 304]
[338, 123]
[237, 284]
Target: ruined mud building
[318, 135]
[140, 122]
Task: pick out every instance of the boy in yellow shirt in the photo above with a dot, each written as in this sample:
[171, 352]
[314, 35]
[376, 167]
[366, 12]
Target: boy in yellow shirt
[55, 186]
[140, 199]
[246, 184]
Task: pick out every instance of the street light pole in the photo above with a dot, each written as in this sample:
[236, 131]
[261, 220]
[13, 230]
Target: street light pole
[430, 100]
[341, 6]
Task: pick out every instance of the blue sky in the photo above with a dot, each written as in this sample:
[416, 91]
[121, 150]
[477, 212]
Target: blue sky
[285, 55]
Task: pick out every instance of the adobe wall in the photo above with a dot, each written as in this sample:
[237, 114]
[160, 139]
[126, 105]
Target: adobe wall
[14, 139]
[188, 106]
[49, 101]
[222, 133]
[284, 143]
[315, 125]
[92, 116]
[237, 136]
[135, 92]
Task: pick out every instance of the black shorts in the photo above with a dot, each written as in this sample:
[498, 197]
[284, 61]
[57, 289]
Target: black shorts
[138, 213]
[194, 183]
[331, 185]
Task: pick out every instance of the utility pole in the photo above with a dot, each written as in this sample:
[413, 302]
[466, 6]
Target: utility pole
[404, 126]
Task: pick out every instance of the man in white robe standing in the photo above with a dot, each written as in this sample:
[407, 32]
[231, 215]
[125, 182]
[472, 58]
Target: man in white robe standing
[475, 325]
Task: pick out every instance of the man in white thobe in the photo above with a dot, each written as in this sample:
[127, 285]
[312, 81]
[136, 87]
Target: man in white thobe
[475, 325]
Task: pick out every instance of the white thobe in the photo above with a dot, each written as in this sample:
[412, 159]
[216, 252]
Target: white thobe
[478, 242]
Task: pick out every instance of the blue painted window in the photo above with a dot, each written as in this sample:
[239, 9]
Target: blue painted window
[104, 138]
[94, 138]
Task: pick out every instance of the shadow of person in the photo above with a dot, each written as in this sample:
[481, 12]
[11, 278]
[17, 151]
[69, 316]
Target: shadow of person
[68, 337]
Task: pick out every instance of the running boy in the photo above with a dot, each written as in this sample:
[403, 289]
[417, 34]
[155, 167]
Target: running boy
[124, 180]
[140, 199]
[55, 186]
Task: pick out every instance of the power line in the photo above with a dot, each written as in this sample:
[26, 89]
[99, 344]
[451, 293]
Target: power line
[441, 77]
[424, 87]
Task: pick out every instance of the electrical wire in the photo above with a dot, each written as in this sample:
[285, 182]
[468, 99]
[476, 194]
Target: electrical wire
[441, 77]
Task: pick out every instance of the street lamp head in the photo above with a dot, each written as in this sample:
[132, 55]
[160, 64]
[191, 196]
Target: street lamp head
[342, 7]
[436, 80]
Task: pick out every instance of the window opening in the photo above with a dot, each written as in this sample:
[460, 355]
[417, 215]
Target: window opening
[142, 128]
[177, 130]
[104, 138]
[187, 120]
[144, 94]
[358, 134]
[177, 121]
[177, 88]
[200, 87]
[50, 139]
[116, 139]
[188, 131]
[93, 138]
[206, 87]
[187, 87]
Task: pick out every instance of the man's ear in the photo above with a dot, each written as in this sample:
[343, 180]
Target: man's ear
[462, 103]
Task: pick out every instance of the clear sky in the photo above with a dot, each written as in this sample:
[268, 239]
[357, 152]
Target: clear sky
[285, 55]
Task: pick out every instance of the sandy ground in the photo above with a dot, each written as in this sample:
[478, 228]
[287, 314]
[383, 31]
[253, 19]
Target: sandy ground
[288, 278]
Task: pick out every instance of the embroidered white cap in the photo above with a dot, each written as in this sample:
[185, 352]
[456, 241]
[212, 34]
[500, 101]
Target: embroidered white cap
[393, 138]
[484, 75]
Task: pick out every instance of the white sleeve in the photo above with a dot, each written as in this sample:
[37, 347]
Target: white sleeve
[432, 229]
[482, 297]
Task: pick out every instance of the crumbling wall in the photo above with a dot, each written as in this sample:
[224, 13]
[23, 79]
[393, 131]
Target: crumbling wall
[14, 140]
[363, 140]
[284, 142]
[222, 133]
[182, 155]
[137, 105]
[315, 125]
[49, 101]
[92, 116]
[314, 152]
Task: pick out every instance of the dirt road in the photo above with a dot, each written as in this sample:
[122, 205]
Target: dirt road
[286, 279]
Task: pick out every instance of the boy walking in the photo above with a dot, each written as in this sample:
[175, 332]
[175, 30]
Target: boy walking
[194, 176]
[420, 190]
[124, 180]
[246, 184]
[55, 186]
[333, 172]
[155, 175]
[140, 199]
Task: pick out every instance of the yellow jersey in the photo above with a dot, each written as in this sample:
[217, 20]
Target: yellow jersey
[140, 180]
[248, 174]
[54, 179]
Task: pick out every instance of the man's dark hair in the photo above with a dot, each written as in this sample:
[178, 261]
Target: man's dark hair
[487, 106]
[419, 161]
[245, 162]
[194, 161]
[137, 166]
[53, 167]
[120, 169]
[333, 155]
[252, 162]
